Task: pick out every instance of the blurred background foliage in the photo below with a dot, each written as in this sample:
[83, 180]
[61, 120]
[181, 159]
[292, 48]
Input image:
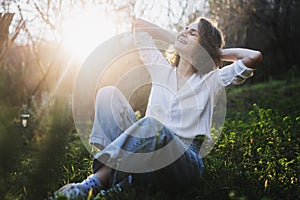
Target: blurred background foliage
[258, 154]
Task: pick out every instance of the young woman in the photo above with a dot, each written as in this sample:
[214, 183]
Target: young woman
[159, 149]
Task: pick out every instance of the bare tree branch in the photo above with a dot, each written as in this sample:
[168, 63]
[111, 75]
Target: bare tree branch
[44, 17]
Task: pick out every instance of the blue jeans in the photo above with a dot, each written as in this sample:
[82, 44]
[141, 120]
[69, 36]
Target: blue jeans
[144, 148]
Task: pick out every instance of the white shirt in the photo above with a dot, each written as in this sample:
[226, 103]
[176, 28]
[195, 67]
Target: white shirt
[187, 111]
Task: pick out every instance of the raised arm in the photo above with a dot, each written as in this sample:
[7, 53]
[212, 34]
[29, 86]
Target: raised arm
[241, 70]
[249, 57]
[155, 31]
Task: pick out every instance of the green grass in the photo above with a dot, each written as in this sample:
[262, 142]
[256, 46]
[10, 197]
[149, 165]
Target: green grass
[281, 96]
[257, 156]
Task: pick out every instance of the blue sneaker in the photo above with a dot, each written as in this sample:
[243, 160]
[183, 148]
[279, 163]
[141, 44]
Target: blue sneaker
[73, 191]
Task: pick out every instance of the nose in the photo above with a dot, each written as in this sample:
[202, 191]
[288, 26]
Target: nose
[184, 33]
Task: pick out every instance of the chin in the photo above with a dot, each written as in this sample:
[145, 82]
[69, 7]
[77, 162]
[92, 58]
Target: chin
[177, 46]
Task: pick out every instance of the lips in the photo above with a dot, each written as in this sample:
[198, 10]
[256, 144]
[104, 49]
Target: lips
[181, 39]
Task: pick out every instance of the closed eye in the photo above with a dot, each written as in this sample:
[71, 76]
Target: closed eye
[195, 33]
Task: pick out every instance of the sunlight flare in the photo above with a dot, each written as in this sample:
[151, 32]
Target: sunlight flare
[83, 31]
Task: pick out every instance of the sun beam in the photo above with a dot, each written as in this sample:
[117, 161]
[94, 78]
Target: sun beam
[83, 31]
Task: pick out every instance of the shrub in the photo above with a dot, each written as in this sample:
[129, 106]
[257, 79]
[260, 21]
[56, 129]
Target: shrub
[258, 157]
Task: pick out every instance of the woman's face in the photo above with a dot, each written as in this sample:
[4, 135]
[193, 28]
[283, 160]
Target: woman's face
[188, 39]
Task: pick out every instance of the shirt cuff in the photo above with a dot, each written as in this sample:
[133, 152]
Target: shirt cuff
[243, 71]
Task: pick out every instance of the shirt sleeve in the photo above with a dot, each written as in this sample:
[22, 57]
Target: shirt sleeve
[149, 52]
[235, 73]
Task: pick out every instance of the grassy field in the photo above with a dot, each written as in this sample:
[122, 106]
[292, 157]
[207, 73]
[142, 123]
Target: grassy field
[281, 96]
[257, 156]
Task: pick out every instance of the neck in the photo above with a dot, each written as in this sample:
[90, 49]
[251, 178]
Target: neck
[185, 69]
